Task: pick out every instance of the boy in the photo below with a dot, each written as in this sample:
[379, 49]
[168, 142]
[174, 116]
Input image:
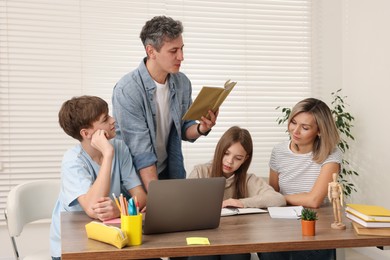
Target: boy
[93, 169]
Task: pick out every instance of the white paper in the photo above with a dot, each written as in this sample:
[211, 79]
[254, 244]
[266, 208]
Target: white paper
[289, 212]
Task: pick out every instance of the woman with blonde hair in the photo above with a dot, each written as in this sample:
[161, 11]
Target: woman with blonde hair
[302, 167]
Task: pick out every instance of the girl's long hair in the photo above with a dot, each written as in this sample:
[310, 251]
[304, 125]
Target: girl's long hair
[231, 136]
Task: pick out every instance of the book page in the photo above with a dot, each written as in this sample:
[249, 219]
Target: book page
[228, 88]
[251, 210]
[229, 212]
[289, 212]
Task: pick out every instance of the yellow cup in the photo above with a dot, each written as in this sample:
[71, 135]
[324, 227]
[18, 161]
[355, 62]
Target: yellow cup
[132, 225]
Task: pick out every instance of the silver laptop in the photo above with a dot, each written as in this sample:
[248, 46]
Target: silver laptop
[183, 205]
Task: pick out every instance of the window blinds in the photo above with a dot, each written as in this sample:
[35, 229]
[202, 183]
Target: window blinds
[53, 50]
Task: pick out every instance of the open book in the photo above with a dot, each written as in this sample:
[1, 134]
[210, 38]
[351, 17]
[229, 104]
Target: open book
[239, 211]
[209, 98]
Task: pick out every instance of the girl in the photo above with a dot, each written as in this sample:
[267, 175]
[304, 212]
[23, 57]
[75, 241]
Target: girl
[232, 158]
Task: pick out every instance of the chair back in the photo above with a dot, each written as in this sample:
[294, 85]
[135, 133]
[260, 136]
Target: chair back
[29, 202]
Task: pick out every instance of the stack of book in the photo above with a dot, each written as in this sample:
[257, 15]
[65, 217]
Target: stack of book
[369, 219]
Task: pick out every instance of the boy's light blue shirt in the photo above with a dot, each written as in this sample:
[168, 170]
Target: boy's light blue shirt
[78, 173]
[134, 110]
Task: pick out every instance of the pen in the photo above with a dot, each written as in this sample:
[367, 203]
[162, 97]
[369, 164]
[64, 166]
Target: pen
[123, 203]
[126, 205]
[132, 211]
[116, 201]
[136, 204]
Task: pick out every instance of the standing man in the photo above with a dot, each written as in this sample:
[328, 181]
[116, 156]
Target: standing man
[149, 102]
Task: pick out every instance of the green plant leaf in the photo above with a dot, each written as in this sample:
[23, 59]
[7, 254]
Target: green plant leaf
[308, 214]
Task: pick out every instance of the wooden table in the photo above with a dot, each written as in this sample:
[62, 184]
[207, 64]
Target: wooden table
[236, 234]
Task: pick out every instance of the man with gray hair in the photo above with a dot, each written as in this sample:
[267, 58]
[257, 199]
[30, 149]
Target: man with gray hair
[149, 103]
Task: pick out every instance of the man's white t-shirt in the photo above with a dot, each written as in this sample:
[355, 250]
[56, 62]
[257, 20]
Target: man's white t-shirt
[164, 123]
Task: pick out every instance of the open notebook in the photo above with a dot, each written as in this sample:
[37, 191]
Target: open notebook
[183, 205]
[240, 211]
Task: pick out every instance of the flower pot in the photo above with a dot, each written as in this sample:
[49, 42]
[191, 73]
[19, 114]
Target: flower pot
[308, 227]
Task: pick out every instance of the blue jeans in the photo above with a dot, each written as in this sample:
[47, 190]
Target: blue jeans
[326, 254]
[222, 257]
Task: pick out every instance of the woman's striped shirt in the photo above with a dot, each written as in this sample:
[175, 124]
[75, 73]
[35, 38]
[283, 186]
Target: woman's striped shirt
[297, 172]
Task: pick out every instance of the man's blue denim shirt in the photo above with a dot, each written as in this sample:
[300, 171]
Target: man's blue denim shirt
[134, 110]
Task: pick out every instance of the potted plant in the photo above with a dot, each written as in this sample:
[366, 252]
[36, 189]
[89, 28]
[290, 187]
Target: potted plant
[308, 221]
[344, 124]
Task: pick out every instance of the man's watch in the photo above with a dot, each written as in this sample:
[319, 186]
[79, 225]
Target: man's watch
[199, 132]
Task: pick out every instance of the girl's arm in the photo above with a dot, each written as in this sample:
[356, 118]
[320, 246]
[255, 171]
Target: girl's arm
[261, 195]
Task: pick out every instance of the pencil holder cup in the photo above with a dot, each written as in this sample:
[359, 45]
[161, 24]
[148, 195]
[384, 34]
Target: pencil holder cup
[132, 225]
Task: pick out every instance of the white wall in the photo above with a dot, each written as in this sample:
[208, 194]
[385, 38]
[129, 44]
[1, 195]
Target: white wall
[362, 55]
[353, 54]
[366, 77]
[356, 57]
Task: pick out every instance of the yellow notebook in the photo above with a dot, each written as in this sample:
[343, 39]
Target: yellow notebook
[209, 98]
[369, 212]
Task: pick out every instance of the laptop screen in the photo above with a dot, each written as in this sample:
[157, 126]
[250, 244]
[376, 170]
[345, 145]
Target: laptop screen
[183, 205]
